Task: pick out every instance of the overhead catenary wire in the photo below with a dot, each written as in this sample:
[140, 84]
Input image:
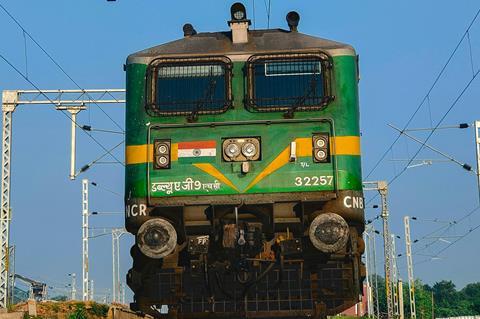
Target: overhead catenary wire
[426, 96]
[412, 158]
[254, 20]
[455, 102]
[436, 255]
[444, 229]
[106, 189]
[62, 111]
[25, 32]
[268, 6]
[424, 144]
[97, 160]
[91, 129]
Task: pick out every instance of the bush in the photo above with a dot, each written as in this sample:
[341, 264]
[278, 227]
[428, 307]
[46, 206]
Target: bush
[99, 310]
[55, 307]
[79, 312]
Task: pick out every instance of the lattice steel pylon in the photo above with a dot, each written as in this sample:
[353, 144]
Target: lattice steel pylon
[369, 269]
[382, 188]
[116, 283]
[394, 276]
[411, 279]
[8, 106]
[10, 100]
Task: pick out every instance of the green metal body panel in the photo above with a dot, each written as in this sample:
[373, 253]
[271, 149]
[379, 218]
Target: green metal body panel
[342, 173]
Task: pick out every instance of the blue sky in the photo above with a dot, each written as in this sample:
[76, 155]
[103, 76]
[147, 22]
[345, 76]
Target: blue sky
[402, 45]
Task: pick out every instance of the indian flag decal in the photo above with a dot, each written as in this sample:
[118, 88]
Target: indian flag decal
[197, 149]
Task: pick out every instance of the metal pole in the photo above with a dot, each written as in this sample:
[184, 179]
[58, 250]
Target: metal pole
[9, 102]
[383, 190]
[11, 274]
[411, 280]
[433, 307]
[123, 294]
[73, 110]
[114, 269]
[73, 286]
[118, 267]
[73, 143]
[91, 291]
[394, 276]
[85, 282]
[374, 255]
[477, 144]
[367, 271]
[116, 283]
[400, 299]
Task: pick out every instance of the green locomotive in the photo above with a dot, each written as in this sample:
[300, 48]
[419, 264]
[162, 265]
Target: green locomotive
[243, 175]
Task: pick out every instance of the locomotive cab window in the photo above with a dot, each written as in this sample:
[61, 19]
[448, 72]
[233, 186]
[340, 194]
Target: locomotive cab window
[298, 82]
[189, 86]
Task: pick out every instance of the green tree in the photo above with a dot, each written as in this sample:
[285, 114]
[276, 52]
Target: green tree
[423, 300]
[449, 302]
[443, 296]
[471, 293]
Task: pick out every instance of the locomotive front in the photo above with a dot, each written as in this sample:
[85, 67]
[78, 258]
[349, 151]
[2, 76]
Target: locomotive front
[243, 177]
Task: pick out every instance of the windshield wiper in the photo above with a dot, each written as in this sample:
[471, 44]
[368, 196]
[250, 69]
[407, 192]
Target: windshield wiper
[302, 99]
[209, 92]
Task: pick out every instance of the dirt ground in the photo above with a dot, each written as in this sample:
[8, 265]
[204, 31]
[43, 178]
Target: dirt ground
[66, 310]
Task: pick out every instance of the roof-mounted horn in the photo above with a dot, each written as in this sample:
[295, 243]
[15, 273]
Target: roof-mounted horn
[188, 30]
[292, 19]
[239, 23]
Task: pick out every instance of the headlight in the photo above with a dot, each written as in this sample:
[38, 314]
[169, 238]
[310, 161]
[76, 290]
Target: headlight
[161, 154]
[320, 143]
[162, 148]
[156, 238]
[329, 232]
[241, 149]
[249, 149]
[238, 11]
[321, 148]
[232, 150]
[162, 161]
[239, 15]
[320, 155]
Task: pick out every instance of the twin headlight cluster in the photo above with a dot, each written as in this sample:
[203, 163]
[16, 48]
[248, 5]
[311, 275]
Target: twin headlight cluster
[161, 149]
[241, 149]
[321, 146]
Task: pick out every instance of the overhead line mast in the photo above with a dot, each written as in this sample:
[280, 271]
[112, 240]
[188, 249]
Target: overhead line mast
[411, 280]
[11, 99]
[382, 188]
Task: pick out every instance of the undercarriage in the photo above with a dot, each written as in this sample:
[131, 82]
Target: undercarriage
[247, 261]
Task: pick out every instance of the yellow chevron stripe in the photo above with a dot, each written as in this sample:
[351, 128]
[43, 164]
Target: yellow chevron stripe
[282, 159]
[340, 145]
[211, 170]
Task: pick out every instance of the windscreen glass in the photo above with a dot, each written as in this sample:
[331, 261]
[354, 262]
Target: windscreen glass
[190, 88]
[288, 83]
